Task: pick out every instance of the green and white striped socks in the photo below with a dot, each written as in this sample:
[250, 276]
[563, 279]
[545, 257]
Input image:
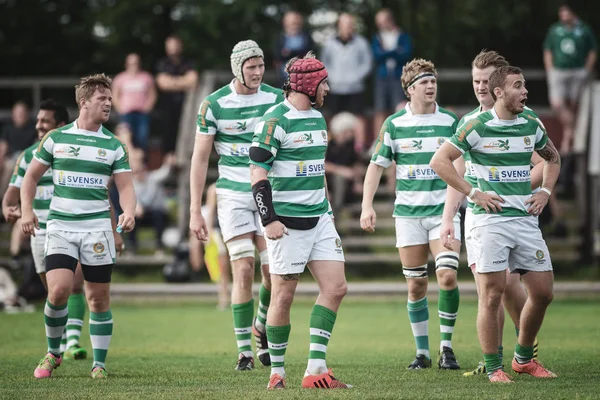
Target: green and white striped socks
[278, 337]
[418, 313]
[76, 306]
[264, 299]
[447, 311]
[322, 320]
[101, 329]
[243, 314]
[55, 319]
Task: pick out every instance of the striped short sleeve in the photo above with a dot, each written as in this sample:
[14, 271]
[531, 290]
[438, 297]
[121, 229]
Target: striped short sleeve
[206, 123]
[19, 172]
[45, 150]
[384, 152]
[466, 137]
[268, 136]
[121, 163]
[541, 138]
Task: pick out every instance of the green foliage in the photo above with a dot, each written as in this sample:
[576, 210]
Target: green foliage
[71, 37]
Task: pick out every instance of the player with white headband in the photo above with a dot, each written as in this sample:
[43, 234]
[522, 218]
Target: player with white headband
[409, 138]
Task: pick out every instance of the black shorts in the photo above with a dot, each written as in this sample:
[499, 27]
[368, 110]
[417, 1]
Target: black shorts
[91, 273]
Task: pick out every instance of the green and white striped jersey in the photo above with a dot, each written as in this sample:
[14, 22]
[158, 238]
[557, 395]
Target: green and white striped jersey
[43, 191]
[298, 141]
[231, 118]
[82, 164]
[500, 159]
[411, 140]
[469, 174]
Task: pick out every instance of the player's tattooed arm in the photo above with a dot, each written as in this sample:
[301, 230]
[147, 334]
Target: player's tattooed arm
[549, 153]
[290, 277]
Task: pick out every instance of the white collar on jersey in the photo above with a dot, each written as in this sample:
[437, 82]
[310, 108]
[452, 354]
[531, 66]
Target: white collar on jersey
[409, 111]
[508, 122]
[232, 87]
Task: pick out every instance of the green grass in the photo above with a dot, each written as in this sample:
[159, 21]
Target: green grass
[185, 349]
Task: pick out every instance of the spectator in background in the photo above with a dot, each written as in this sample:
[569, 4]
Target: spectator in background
[134, 96]
[569, 59]
[348, 59]
[342, 162]
[17, 135]
[175, 75]
[293, 41]
[392, 48]
[151, 207]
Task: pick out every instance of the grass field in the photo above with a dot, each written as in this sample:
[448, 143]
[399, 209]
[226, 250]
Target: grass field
[183, 349]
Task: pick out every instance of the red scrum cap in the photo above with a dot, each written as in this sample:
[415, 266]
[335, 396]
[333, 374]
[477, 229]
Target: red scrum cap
[305, 75]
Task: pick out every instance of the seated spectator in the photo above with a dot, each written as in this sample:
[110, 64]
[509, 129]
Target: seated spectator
[342, 163]
[293, 41]
[151, 207]
[17, 134]
[134, 96]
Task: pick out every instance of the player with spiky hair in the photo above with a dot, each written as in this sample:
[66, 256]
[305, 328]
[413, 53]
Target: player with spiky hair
[515, 295]
[83, 156]
[226, 119]
[409, 138]
[505, 229]
[287, 165]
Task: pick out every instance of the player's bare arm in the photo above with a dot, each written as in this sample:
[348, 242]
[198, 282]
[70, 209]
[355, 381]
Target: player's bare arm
[29, 221]
[442, 164]
[551, 170]
[454, 199]
[202, 148]
[127, 200]
[10, 204]
[368, 217]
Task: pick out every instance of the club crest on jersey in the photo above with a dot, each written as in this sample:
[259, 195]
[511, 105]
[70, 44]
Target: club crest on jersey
[413, 145]
[305, 138]
[237, 126]
[324, 135]
[70, 151]
[441, 141]
[501, 145]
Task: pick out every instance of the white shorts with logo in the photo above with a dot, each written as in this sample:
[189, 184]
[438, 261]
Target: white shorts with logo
[516, 244]
[38, 244]
[566, 84]
[237, 215]
[291, 253]
[415, 231]
[89, 248]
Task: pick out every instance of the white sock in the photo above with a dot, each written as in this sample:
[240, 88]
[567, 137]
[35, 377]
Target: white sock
[278, 370]
[445, 343]
[316, 366]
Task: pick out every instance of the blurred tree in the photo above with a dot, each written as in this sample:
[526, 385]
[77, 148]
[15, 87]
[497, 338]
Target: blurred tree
[73, 37]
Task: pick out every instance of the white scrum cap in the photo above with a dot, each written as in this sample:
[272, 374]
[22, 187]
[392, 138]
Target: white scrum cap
[243, 51]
